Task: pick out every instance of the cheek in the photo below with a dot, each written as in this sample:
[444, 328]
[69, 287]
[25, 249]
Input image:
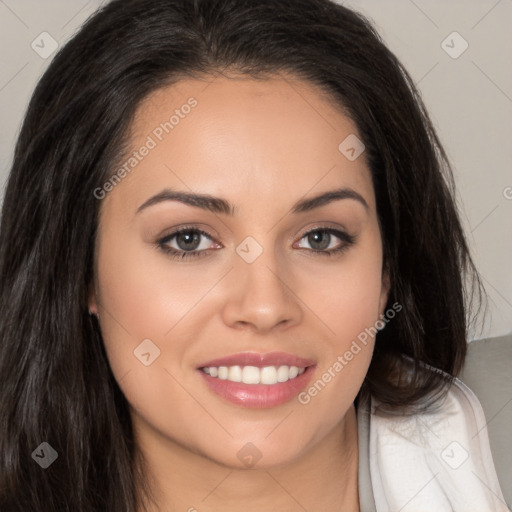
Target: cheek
[134, 305]
[348, 305]
[147, 291]
[347, 297]
[147, 298]
[144, 295]
[357, 305]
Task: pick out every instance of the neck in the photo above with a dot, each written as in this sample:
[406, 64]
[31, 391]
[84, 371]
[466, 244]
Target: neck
[324, 478]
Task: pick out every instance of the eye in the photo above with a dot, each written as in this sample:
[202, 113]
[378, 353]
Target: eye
[187, 243]
[321, 239]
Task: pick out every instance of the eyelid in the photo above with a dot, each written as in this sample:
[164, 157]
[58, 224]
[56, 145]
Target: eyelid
[169, 233]
[177, 231]
[324, 227]
[340, 233]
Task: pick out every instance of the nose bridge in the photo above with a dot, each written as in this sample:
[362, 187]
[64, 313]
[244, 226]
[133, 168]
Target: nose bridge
[262, 295]
[259, 270]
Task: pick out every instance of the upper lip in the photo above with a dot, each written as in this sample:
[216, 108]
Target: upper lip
[259, 360]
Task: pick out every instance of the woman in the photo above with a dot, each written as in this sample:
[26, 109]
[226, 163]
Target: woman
[232, 274]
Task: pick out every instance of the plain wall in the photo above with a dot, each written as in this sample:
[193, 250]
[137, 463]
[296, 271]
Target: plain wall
[469, 97]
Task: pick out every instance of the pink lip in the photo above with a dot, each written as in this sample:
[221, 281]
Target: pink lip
[259, 360]
[258, 395]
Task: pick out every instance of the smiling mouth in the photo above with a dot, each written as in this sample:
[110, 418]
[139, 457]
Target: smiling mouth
[268, 375]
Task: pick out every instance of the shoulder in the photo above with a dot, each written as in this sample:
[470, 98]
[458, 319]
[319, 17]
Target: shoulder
[488, 372]
[434, 460]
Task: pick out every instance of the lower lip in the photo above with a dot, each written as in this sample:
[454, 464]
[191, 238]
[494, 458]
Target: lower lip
[258, 395]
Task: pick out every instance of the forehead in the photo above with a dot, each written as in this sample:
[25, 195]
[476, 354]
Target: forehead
[232, 136]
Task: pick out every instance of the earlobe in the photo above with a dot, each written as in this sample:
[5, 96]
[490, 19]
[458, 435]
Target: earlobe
[93, 306]
[386, 286]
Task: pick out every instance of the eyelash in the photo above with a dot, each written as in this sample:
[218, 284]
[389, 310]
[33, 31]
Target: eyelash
[348, 240]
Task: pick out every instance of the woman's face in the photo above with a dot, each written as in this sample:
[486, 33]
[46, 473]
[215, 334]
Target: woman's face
[254, 283]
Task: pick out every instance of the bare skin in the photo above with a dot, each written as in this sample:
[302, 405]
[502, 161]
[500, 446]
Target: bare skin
[262, 145]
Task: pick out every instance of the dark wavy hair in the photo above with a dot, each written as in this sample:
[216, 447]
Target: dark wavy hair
[56, 384]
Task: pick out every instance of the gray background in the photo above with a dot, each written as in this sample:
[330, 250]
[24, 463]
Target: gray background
[469, 98]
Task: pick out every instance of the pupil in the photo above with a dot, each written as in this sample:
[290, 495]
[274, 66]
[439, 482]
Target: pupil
[188, 237]
[313, 239]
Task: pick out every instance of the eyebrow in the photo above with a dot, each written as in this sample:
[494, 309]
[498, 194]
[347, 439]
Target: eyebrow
[222, 206]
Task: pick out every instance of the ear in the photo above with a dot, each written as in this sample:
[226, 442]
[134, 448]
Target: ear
[385, 287]
[92, 302]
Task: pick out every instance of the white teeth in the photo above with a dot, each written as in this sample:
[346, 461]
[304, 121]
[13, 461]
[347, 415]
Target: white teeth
[283, 372]
[269, 375]
[294, 371]
[253, 375]
[235, 374]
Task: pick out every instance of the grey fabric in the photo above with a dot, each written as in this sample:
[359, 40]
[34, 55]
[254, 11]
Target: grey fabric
[488, 373]
[366, 501]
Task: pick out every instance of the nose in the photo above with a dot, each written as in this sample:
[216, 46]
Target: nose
[260, 296]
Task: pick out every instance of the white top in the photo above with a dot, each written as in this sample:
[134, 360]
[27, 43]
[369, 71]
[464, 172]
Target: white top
[436, 461]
